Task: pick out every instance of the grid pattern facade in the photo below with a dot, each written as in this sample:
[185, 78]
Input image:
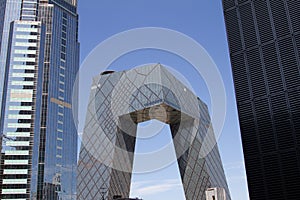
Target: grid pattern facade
[58, 141]
[29, 10]
[121, 100]
[52, 135]
[20, 118]
[10, 11]
[264, 43]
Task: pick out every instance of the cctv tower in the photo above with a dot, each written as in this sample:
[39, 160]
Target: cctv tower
[121, 100]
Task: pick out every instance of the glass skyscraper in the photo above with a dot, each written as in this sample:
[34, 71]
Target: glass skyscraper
[264, 43]
[121, 100]
[39, 62]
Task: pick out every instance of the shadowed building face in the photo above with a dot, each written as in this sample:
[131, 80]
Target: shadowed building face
[121, 100]
[264, 45]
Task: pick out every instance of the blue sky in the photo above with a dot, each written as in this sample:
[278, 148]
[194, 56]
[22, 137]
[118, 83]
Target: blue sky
[201, 20]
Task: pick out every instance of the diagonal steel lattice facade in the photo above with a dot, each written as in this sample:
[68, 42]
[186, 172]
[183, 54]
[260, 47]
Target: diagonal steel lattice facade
[121, 100]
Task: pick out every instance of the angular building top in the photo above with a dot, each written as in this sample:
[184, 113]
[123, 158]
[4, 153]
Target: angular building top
[69, 5]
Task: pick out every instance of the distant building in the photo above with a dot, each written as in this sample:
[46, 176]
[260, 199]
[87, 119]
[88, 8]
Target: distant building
[129, 199]
[215, 194]
[120, 198]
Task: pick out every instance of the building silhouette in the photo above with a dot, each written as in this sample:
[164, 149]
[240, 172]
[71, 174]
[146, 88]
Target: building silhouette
[121, 100]
[264, 44]
[39, 60]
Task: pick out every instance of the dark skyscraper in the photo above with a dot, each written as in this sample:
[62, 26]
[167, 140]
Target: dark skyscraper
[39, 60]
[264, 43]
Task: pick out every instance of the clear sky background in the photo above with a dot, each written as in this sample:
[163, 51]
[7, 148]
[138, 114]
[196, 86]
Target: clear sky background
[201, 20]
